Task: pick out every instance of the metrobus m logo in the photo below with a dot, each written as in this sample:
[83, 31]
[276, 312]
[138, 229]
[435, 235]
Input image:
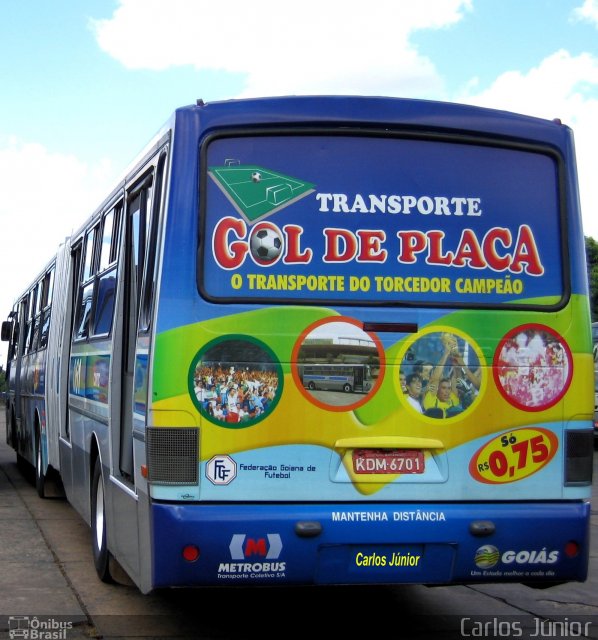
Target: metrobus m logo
[241, 547]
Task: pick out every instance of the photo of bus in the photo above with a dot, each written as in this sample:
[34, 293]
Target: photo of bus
[350, 378]
[320, 340]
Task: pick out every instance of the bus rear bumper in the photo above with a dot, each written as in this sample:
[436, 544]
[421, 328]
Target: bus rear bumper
[226, 544]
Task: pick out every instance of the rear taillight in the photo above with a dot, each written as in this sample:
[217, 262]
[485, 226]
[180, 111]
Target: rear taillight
[190, 553]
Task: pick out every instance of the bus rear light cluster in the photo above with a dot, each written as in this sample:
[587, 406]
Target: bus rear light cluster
[572, 549]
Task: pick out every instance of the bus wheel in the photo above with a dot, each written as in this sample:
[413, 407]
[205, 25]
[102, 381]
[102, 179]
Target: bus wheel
[40, 478]
[347, 388]
[311, 386]
[101, 555]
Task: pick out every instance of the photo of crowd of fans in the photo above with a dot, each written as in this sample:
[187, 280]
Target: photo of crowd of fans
[235, 391]
[440, 375]
[532, 368]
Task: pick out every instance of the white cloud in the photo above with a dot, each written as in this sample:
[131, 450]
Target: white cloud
[45, 196]
[588, 12]
[349, 46]
[319, 47]
[561, 86]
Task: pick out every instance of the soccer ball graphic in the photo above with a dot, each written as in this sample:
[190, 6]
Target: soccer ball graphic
[256, 176]
[265, 243]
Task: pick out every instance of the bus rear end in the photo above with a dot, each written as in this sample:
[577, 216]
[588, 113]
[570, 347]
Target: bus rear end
[439, 248]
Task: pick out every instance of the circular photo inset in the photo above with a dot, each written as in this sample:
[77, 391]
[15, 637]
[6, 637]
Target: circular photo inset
[533, 367]
[337, 365]
[235, 382]
[441, 374]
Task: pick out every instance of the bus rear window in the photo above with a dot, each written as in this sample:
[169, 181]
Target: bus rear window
[380, 220]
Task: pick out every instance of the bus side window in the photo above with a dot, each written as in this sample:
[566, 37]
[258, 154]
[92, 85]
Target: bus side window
[83, 312]
[105, 288]
[30, 331]
[13, 345]
[26, 305]
[46, 308]
[85, 295]
[138, 209]
[36, 318]
[139, 212]
[153, 217]
[89, 262]
[20, 340]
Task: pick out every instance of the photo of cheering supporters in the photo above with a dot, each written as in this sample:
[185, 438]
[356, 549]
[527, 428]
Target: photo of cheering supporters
[440, 375]
[337, 364]
[236, 383]
[532, 367]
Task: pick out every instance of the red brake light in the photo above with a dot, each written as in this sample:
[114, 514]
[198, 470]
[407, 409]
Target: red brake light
[190, 553]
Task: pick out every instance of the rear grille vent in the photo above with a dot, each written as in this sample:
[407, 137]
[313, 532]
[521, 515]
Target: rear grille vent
[579, 457]
[172, 455]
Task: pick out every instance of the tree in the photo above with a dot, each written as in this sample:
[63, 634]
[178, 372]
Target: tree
[592, 266]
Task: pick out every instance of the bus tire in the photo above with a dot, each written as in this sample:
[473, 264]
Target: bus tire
[101, 555]
[347, 388]
[40, 478]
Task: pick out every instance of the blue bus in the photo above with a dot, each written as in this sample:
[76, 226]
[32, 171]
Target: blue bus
[155, 364]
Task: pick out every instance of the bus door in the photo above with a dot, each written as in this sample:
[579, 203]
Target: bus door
[133, 339]
[134, 250]
[14, 333]
[358, 378]
[16, 374]
[122, 508]
[71, 303]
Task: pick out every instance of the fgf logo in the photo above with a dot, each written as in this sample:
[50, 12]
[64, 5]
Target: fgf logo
[221, 470]
[241, 547]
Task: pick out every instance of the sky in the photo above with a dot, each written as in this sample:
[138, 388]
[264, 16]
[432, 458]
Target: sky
[84, 84]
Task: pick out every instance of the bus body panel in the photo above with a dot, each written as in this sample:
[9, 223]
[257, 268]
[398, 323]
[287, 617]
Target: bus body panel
[277, 328]
[431, 543]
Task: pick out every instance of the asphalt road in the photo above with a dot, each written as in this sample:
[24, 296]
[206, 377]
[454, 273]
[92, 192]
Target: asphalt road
[48, 589]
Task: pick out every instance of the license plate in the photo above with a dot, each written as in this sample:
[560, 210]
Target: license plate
[388, 461]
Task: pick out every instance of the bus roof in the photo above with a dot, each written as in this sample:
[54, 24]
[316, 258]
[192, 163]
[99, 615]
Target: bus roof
[378, 110]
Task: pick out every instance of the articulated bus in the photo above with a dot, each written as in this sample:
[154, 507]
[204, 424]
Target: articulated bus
[154, 364]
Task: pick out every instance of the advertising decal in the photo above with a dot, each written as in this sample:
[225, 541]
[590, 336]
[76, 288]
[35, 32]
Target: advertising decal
[314, 250]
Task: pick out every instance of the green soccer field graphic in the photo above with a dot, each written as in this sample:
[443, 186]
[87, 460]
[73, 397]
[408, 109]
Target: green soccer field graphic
[256, 192]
